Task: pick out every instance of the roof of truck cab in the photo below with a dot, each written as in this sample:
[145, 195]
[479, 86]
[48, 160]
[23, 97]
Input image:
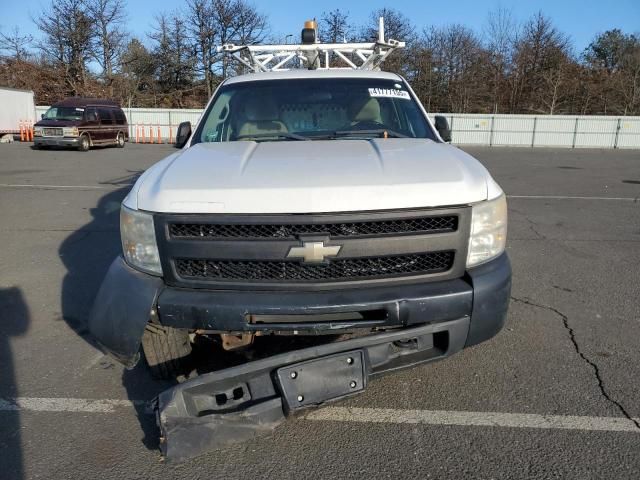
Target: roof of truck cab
[309, 74]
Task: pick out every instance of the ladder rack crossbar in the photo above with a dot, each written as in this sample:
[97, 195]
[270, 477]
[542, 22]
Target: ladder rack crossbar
[267, 58]
[314, 55]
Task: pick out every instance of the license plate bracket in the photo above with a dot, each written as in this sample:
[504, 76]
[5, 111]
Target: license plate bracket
[322, 379]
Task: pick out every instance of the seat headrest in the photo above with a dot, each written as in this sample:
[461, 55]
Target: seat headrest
[365, 109]
[261, 109]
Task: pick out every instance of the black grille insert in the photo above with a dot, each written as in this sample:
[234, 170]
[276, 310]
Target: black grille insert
[419, 225]
[336, 270]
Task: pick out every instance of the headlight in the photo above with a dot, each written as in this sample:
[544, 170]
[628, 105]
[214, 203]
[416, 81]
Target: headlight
[488, 231]
[37, 131]
[70, 131]
[139, 241]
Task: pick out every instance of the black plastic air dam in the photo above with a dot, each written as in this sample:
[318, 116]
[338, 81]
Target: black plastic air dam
[121, 311]
[241, 402]
[124, 302]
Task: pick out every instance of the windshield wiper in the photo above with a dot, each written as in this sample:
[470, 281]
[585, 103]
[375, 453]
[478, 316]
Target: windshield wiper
[281, 135]
[379, 132]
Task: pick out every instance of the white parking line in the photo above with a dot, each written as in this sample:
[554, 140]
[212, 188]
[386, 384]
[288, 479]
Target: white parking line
[478, 419]
[65, 405]
[564, 197]
[359, 415]
[56, 187]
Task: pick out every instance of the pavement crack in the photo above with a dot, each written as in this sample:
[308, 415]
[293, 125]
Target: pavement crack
[578, 350]
[533, 226]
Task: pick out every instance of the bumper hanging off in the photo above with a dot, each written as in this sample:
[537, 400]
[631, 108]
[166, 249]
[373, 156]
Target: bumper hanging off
[242, 402]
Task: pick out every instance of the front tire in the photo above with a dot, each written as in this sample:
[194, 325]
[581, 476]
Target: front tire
[167, 351]
[85, 143]
[120, 140]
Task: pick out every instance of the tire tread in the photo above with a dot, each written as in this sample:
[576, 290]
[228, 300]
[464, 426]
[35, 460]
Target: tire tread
[166, 350]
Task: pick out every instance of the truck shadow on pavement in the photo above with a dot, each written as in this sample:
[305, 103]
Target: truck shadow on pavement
[15, 323]
[87, 254]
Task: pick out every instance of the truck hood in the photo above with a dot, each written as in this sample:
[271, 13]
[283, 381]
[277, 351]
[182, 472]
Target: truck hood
[311, 177]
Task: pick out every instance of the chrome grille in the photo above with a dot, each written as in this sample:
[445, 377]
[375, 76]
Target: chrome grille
[52, 132]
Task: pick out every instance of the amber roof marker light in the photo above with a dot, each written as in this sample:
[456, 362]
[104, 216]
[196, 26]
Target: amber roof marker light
[309, 33]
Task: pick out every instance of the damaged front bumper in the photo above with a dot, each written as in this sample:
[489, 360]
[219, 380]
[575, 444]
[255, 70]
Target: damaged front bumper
[128, 298]
[424, 322]
[239, 403]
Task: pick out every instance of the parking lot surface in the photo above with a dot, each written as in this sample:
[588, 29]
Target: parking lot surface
[554, 395]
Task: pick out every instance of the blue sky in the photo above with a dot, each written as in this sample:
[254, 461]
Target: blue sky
[580, 19]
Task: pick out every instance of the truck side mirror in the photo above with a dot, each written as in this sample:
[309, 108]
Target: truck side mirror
[183, 134]
[442, 126]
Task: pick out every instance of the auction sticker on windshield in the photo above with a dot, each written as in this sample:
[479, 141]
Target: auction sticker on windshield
[389, 92]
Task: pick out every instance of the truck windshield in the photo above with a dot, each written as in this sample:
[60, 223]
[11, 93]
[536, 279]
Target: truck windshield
[313, 109]
[64, 113]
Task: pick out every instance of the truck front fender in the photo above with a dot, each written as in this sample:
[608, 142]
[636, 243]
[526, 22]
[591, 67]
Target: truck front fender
[122, 309]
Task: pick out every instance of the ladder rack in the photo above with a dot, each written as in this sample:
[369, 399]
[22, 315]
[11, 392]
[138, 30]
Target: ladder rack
[271, 58]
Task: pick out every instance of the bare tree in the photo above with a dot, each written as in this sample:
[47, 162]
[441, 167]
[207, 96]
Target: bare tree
[421, 70]
[174, 55]
[67, 39]
[457, 56]
[614, 61]
[84, 49]
[109, 35]
[553, 90]
[630, 81]
[136, 80]
[541, 48]
[396, 26]
[335, 27]
[15, 44]
[202, 29]
[250, 25]
[501, 36]
[237, 21]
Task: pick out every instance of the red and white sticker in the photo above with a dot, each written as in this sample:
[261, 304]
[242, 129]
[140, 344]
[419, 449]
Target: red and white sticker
[389, 93]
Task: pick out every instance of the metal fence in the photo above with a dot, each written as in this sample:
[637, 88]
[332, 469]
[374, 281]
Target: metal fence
[467, 129]
[545, 130]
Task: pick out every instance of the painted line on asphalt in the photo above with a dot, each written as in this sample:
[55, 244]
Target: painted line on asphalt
[63, 187]
[565, 197]
[476, 419]
[65, 404]
[357, 415]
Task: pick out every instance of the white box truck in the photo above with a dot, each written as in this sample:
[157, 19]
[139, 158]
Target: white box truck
[16, 106]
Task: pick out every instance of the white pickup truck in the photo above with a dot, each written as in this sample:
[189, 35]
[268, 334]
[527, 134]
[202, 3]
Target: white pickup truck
[309, 203]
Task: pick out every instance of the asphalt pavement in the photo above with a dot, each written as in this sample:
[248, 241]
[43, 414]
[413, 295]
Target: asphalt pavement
[554, 395]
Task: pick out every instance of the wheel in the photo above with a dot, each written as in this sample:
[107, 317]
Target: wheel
[167, 351]
[120, 140]
[85, 143]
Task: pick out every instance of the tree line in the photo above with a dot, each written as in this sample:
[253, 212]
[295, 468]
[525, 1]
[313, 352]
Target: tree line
[510, 66]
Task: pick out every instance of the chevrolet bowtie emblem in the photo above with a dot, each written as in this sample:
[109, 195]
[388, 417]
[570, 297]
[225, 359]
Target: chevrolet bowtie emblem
[313, 252]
